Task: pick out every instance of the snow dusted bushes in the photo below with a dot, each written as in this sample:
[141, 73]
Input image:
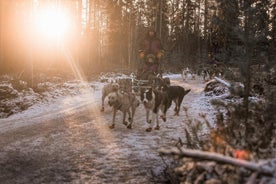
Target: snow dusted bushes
[7, 91]
[239, 149]
[17, 95]
[256, 133]
[215, 88]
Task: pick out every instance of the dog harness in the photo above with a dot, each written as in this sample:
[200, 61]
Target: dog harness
[117, 105]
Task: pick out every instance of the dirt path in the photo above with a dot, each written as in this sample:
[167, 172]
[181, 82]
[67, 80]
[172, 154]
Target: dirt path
[76, 146]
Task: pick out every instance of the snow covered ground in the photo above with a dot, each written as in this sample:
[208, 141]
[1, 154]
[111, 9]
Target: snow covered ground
[66, 139]
[77, 94]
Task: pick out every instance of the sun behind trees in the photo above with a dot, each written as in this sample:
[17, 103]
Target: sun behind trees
[230, 39]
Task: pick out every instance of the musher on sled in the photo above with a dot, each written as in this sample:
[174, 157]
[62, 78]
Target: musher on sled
[150, 53]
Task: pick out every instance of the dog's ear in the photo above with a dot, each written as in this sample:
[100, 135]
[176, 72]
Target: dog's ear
[165, 87]
[165, 81]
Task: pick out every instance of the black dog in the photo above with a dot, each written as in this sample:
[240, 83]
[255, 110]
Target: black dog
[176, 94]
[154, 100]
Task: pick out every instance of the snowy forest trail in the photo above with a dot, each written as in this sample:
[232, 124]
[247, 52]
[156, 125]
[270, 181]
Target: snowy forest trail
[75, 145]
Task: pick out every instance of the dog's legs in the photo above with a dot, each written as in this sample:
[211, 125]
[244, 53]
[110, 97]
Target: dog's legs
[103, 97]
[154, 115]
[148, 113]
[164, 109]
[129, 115]
[147, 116]
[113, 119]
[133, 109]
[124, 117]
[179, 101]
[157, 121]
[175, 108]
[155, 112]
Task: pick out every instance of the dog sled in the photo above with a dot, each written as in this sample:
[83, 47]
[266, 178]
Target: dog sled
[156, 81]
[133, 83]
[149, 74]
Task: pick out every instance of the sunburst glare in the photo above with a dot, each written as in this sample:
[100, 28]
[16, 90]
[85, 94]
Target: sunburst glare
[52, 22]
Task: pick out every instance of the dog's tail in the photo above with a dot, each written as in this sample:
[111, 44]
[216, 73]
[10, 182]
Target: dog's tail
[184, 94]
[187, 91]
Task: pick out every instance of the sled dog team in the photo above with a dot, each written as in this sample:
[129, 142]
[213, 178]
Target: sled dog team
[121, 98]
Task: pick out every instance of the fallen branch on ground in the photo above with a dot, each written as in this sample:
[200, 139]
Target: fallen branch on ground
[260, 168]
[223, 82]
[236, 89]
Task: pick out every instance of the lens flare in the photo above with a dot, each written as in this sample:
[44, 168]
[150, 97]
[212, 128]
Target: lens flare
[52, 23]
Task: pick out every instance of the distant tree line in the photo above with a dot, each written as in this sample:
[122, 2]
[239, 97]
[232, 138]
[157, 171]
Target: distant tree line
[107, 32]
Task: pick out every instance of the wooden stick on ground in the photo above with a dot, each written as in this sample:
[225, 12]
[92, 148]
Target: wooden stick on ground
[260, 168]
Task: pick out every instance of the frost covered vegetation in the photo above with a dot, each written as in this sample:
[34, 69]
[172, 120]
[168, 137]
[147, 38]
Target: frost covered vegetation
[238, 149]
[241, 148]
[17, 95]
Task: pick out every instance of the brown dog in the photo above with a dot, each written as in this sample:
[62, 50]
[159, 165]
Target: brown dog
[107, 89]
[125, 84]
[125, 102]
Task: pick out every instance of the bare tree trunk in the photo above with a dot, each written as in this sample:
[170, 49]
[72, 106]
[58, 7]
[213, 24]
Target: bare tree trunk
[98, 32]
[160, 18]
[88, 6]
[89, 45]
[198, 31]
[205, 29]
[79, 30]
[249, 50]
[31, 55]
[187, 29]
[187, 24]
[1, 34]
[129, 38]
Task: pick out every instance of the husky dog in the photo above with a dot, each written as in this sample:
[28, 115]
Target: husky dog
[187, 73]
[158, 82]
[125, 102]
[107, 89]
[176, 94]
[125, 84]
[154, 100]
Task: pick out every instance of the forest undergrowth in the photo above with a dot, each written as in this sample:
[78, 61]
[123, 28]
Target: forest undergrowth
[238, 149]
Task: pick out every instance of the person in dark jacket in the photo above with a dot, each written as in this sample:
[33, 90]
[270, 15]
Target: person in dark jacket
[151, 51]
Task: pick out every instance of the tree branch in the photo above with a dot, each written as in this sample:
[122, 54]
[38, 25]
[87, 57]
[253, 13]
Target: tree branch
[260, 168]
